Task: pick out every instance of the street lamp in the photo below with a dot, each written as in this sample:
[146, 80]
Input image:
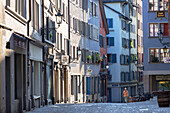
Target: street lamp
[165, 49]
[59, 17]
[107, 66]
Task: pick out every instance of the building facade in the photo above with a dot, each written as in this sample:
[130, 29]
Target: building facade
[140, 46]
[156, 71]
[103, 52]
[121, 48]
[14, 41]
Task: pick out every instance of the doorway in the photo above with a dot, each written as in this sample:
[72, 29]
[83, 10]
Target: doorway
[8, 85]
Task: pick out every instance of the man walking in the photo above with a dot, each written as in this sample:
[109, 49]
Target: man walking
[125, 95]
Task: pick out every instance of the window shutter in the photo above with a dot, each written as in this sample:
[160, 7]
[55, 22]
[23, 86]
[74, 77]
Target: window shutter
[111, 41]
[66, 14]
[54, 33]
[80, 3]
[122, 23]
[91, 7]
[71, 51]
[78, 21]
[104, 42]
[134, 43]
[113, 58]
[75, 25]
[94, 9]
[68, 47]
[88, 30]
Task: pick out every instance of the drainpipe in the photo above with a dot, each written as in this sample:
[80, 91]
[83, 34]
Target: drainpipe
[137, 46]
[43, 40]
[28, 51]
[129, 45]
[68, 39]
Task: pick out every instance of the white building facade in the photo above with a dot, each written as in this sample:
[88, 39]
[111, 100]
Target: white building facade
[121, 49]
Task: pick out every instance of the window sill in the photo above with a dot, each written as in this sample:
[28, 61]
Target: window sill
[16, 15]
[158, 37]
[156, 11]
[156, 63]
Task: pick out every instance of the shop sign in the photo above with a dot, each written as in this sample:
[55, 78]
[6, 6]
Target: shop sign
[89, 71]
[166, 59]
[160, 14]
[166, 77]
[64, 58]
[19, 41]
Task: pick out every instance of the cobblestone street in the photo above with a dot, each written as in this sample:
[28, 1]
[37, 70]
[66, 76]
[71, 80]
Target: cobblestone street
[150, 106]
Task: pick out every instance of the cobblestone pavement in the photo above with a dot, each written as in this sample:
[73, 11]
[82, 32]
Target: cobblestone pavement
[150, 106]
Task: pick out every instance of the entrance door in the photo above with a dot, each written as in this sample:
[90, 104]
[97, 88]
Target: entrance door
[18, 81]
[76, 93]
[92, 87]
[65, 85]
[8, 82]
[83, 88]
[24, 83]
[109, 95]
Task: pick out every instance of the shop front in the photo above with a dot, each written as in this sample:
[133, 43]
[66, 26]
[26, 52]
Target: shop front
[157, 80]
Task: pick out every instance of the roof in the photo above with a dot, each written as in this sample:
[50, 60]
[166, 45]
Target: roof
[103, 16]
[120, 14]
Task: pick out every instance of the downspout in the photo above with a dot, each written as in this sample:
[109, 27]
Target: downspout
[137, 46]
[28, 51]
[43, 54]
[69, 39]
[129, 45]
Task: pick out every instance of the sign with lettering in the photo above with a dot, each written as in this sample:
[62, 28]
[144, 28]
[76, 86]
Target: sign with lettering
[160, 14]
[166, 59]
[19, 41]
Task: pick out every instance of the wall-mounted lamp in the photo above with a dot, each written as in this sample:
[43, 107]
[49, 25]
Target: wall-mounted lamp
[59, 17]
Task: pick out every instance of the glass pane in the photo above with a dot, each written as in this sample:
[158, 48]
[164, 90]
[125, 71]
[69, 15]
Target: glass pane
[156, 30]
[151, 29]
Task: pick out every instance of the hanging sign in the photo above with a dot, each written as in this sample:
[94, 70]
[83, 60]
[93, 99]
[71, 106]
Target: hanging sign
[160, 14]
[166, 59]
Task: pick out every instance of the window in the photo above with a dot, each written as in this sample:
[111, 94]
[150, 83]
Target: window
[155, 5]
[153, 29]
[126, 59]
[110, 41]
[154, 55]
[102, 41]
[61, 43]
[125, 43]
[20, 7]
[74, 53]
[82, 55]
[123, 24]
[110, 22]
[111, 58]
[79, 86]
[35, 15]
[64, 15]
[164, 29]
[122, 76]
[91, 33]
[162, 54]
[122, 59]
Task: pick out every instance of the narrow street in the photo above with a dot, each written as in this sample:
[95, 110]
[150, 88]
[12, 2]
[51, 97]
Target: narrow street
[150, 106]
